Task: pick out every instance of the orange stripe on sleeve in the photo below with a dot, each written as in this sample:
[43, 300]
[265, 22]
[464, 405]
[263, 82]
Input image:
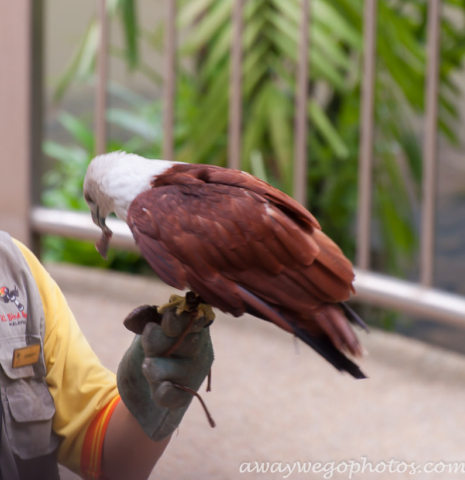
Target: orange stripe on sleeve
[91, 455]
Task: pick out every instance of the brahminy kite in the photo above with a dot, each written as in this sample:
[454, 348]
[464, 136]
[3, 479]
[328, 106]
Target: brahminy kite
[240, 244]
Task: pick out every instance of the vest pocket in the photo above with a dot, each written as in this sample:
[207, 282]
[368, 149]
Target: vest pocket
[29, 410]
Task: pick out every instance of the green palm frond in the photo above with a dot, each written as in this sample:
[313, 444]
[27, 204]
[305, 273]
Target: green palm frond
[270, 47]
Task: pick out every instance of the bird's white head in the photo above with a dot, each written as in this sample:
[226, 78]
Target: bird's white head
[114, 180]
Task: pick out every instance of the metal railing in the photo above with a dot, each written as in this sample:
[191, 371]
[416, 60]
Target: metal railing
[372, 288]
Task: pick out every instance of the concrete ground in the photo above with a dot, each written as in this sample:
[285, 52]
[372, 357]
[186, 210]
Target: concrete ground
[275, 401]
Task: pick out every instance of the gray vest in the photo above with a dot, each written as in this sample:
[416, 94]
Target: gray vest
[27, 442]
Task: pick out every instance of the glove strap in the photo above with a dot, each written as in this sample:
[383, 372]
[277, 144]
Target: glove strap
[196, 394]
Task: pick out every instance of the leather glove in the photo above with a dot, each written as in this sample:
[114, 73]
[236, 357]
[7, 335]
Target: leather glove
[151, 383]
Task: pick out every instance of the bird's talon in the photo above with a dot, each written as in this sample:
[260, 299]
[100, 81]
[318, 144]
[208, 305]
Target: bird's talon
[185, 304]
[206, 311]
[177, 301]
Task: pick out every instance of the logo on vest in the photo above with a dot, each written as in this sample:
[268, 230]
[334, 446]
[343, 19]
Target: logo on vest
[7, 296]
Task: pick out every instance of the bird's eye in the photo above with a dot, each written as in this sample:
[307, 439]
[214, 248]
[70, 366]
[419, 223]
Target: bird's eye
[88, 198]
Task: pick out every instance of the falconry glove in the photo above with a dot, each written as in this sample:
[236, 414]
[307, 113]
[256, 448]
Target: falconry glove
[165, 365]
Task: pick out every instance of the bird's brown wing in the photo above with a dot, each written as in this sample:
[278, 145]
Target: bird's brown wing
[214, 237]
[193, 174]
[246, 247]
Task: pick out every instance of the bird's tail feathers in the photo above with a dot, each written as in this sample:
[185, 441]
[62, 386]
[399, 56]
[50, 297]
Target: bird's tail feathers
[321, 344]
[329, 352]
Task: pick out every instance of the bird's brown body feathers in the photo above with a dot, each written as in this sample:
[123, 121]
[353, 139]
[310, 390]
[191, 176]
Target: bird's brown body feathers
[244, 246]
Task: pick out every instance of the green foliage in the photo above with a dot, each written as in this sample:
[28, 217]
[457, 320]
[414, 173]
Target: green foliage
[270, 46]
[63, 189]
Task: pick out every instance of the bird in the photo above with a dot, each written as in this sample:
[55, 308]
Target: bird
[240, 244]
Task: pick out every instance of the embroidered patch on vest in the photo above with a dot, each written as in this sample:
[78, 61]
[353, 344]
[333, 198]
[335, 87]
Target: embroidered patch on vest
[7, 296]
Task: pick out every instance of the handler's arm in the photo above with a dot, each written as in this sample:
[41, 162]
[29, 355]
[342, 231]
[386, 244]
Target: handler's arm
[152, 407]
[127, 451]
[88, 408]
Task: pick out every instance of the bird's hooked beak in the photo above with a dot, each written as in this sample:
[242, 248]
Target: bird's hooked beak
[104, 242]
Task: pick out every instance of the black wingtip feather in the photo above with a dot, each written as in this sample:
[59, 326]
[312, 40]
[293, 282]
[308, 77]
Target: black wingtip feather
[329, 352]
[353, 317]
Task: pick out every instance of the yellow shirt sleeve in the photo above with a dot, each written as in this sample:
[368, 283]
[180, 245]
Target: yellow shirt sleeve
[80, 386]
